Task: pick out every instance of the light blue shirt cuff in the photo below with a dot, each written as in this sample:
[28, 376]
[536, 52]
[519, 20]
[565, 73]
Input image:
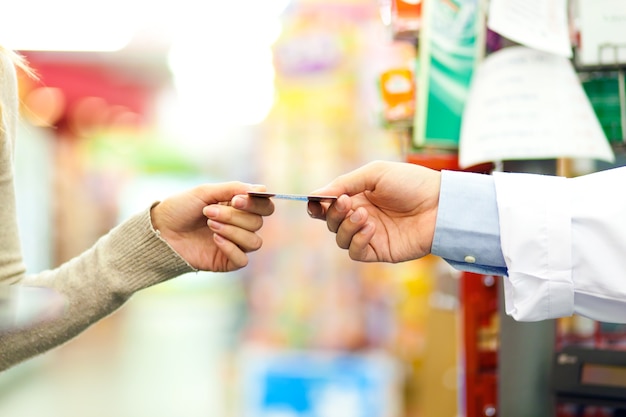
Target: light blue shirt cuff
[467, 232]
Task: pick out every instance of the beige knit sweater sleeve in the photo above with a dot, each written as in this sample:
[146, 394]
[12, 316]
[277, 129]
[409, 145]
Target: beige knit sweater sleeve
[96, 283]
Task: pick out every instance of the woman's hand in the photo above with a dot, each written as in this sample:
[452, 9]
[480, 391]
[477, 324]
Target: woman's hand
[213, 226]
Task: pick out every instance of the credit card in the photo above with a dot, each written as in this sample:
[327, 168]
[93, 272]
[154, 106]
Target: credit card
[296, 197]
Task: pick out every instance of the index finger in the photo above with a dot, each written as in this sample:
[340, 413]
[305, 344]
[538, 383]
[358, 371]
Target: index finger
[260, 206]
[318, 209]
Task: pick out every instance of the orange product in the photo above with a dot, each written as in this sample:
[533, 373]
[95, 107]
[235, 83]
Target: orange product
[398, 94]
[406, 17]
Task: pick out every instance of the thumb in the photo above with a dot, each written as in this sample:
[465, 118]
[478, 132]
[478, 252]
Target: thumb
[224, 192]
[361, 179]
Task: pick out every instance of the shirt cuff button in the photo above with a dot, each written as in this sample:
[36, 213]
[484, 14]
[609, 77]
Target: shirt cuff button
[470, 259]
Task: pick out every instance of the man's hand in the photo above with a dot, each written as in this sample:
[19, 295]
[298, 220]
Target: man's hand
[386, 211]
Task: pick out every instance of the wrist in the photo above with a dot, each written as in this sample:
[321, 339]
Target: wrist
[159, 226]
[433, 211]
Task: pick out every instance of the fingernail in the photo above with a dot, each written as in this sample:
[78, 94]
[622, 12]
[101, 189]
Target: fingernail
[213, 225]
[238, 202]
[211, 211]
[340, 204]
[356, 216]
[367, 228]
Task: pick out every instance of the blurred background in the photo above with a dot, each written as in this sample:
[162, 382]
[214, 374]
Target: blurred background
[138, 99]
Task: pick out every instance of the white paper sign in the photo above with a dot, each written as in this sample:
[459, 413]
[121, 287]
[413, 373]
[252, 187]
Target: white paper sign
[602, 32]
[529, 104]
[538, 24]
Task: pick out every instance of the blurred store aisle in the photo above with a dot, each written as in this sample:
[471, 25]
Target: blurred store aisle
[162, 355]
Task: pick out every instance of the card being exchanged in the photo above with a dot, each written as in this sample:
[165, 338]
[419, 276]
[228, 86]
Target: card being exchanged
[297, 197]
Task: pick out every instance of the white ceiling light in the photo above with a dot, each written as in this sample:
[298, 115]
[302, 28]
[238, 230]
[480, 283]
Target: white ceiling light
[68, 25]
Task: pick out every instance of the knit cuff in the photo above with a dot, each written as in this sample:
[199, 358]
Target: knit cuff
[141, 256]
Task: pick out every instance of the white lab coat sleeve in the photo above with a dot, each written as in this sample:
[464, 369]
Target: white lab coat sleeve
[564, 244]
